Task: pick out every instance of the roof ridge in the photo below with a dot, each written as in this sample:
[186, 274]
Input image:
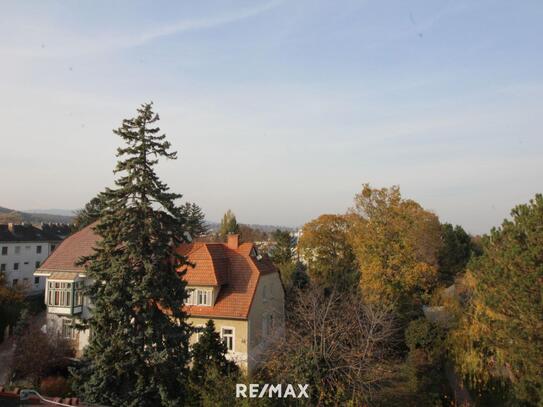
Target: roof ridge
[213, 264]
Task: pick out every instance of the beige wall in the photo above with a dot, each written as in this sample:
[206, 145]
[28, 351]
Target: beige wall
[239, 355]
[269, 299]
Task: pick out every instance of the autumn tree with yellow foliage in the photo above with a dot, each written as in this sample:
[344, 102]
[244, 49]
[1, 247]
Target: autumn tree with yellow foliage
[329, 256]
[396, 243]
[500, 333]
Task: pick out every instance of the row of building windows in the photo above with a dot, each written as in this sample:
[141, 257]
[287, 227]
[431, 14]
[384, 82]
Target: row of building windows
[227, 336]
[198, 297]
[18, 249]
[61, 294]
[15, 281]
[3, 266]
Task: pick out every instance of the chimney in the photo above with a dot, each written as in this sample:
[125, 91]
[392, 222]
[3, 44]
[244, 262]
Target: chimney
[233, 241]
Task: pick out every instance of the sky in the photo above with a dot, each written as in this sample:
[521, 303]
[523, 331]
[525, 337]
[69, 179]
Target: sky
[279, 110]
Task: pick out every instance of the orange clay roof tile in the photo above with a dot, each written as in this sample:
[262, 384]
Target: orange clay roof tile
[235, 271]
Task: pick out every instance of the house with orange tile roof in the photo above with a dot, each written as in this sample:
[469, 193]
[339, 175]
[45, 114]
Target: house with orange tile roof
[230, 283]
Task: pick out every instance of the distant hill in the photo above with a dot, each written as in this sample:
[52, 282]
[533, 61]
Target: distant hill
[214, 227]
[13, 216]
[62, 212]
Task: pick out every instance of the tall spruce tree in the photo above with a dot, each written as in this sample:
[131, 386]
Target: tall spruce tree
[138, 352]
[196, 220]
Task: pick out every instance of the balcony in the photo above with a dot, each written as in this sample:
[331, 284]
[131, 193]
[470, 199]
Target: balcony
[64, 297]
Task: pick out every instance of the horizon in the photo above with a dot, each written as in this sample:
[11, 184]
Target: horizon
[280, 111]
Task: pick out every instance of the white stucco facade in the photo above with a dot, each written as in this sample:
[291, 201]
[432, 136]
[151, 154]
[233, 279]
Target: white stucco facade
[19, 260]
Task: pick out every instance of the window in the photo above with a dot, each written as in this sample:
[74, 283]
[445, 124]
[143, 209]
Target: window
[36, 280]
[204, 297]
[2, 267]
[78, 293]
[4, 251]
[198, 331]
[190, 299]
[15, 282]
[68, 330]
[198, 297]
[37, 264]
[227, 335]
[17, 249]
[59, 294]
[38, 249]
[15, 266]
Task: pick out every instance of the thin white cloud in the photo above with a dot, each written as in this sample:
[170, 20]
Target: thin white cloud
[55, 42]
[197, 24]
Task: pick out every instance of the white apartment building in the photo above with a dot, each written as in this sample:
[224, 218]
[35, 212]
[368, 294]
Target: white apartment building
[23, 248]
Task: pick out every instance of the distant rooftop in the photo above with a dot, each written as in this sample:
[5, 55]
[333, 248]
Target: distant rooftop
[26, 232]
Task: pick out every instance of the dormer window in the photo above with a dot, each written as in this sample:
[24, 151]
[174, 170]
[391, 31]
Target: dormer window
[190, 299]
[204, 297]
[199, 296]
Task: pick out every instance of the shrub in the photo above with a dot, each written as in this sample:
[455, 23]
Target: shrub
[57, 386]
[38, 354]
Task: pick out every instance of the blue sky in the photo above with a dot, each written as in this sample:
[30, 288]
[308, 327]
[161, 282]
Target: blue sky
[280, 110]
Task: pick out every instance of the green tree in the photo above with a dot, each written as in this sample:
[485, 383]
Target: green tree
[396, 243]
[325, 246]
[209, 364]
[11, 304]
[195, 217]
[90, 213]
[138, 352]
[425, 364]
[229, 225]
[299, 278]
[282, 250]
[251, 234]
[500, 334]
[455, 253]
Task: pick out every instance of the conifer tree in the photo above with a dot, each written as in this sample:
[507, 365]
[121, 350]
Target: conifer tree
[281, 251]
[138, 351]
[499, 336]
[89, 214]
[209, 363]
[196, 224]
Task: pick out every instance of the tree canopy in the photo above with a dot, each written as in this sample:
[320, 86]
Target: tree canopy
[455, 253]
[229, 224]
[138, 352]
[396, 243]
[90, 212]
[11, 304]
[283, 244]
[195, 218]
[326, 249]
[500, 334]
